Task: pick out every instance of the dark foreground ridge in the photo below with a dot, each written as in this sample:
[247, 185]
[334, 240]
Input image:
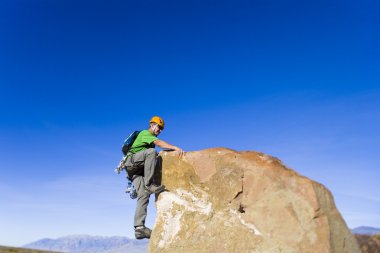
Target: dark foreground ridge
[368, 243]
[4, 249]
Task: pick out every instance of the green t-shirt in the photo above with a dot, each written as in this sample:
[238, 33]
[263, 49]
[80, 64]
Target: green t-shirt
[143, 141]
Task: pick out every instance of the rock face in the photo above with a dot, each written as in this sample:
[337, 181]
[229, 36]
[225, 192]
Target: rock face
[220, 200]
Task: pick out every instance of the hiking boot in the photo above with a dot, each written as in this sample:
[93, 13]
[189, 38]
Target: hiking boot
[154, 188]
[142, 232]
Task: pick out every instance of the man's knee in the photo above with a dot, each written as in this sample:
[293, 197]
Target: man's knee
[151, 151]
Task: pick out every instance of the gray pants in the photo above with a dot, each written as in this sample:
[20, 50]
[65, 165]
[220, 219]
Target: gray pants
[141, 168]
[142, 202]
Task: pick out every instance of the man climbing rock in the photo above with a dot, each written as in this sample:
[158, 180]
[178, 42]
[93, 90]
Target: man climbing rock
[141, 165]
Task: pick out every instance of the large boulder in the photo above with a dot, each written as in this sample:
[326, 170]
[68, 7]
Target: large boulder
[220, 200]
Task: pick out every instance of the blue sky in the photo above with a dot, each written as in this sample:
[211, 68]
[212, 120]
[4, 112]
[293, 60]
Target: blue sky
[298, 80]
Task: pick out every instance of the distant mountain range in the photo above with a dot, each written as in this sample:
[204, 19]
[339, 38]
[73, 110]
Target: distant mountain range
[91, 244]
[366, 230]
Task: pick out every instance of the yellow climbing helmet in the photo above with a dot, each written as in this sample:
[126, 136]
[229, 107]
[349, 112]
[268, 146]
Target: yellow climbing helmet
[159, 121]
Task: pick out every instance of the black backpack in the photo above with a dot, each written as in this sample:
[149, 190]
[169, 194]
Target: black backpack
[129, 142]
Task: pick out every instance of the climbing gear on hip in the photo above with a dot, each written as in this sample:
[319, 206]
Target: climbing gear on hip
[130, 187]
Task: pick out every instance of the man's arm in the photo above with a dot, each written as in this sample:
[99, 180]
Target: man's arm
[164, 144]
